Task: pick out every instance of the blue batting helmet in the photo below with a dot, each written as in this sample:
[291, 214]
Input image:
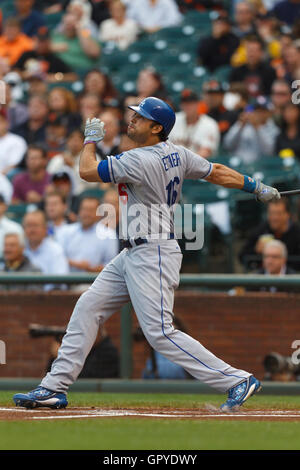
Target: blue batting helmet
[156, 110]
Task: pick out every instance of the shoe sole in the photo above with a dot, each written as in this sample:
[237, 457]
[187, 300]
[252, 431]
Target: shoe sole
[237, 407]
[29, 404]
[250, 394]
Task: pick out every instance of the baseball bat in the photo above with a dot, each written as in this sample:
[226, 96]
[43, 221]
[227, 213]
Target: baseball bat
[290, 193]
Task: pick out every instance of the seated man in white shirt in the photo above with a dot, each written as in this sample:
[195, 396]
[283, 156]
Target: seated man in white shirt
[88, 244]
[199, 133]
[41, 250]
[152, 15]
[6, 188]
[118, 29]
[6, 225]
[12, 147]
[56, 210]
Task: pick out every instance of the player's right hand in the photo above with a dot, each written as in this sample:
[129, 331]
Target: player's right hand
[94, 131]
[266, 193]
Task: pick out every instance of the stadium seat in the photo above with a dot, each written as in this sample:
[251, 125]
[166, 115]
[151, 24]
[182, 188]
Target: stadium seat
[16, 212]
[53, 20]
[7, 8]
[275, 171]
[92, 192]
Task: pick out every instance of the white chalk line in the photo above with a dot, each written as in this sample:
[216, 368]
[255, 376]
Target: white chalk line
[88, 413]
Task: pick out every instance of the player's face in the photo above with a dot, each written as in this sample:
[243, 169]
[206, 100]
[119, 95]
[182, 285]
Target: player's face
[139, 128]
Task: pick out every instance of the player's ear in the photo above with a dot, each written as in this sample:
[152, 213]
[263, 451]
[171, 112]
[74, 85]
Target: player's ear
[156, 128]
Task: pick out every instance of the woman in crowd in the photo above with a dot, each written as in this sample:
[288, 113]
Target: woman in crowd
[63, 105]
[289, 137]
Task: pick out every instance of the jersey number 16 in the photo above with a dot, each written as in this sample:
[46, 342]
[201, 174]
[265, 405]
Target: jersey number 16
[171, 193]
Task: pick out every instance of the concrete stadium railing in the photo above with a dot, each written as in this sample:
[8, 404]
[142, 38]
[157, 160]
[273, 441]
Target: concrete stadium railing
[196, 280]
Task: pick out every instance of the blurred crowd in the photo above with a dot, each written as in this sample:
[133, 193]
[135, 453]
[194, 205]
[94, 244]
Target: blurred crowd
[255, 114]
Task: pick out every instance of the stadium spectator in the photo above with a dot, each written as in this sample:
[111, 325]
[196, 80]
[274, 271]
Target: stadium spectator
[149, 83]
[42, 250]
[31, 20]
[13, 43]
[16, 262]
[6, 188]
[254, 133]
[55, 209]
[75, 45]
[118, 29]
[213, 97]
[69, 160]
[36, 86]
[274, 262]
[216, 50]
[63, 183]
[12, 148]
[236, 97]
[268, 30]
[287, 11]
[62, 103]
[43, 62]
[30, 185]
[291, 61]
[198, 133]
[152, 15]
[274, 256]
[17, 113]
[90, 105]
[280, 97]
[82, 10]
[98, 83]
[244, 15]
[6, 225]
[111, 141]
[279, 225]
[256, 73]
[88, 244]
[33, 130]
[289, 137]
[56, 135]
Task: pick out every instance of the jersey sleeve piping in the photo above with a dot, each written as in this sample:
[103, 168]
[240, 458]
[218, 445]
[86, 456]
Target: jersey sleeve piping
[209, 171]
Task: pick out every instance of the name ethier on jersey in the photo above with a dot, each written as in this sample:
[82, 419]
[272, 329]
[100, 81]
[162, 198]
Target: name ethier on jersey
[170, 161]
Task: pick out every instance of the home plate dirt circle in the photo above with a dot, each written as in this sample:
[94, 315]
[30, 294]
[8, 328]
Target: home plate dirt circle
[209, 412]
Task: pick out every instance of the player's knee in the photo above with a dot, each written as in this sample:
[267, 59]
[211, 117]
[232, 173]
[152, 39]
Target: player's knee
[157, 339]
[88, 303]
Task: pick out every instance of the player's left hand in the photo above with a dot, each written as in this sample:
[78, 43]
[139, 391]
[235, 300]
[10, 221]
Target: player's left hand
[94, 131]
[266, 193]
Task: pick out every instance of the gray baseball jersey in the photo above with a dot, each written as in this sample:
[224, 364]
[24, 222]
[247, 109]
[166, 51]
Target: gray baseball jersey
[146, 274]
[150, 181]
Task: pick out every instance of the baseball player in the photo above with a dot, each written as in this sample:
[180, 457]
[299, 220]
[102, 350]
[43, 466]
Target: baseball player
[146, 272]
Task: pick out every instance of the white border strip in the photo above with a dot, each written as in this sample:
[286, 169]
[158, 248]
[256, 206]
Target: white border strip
[113, 413]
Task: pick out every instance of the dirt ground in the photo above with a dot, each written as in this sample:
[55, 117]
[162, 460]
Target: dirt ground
[209, 412]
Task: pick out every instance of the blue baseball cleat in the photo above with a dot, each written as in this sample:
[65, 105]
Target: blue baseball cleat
[240, 393]
[41, 397]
